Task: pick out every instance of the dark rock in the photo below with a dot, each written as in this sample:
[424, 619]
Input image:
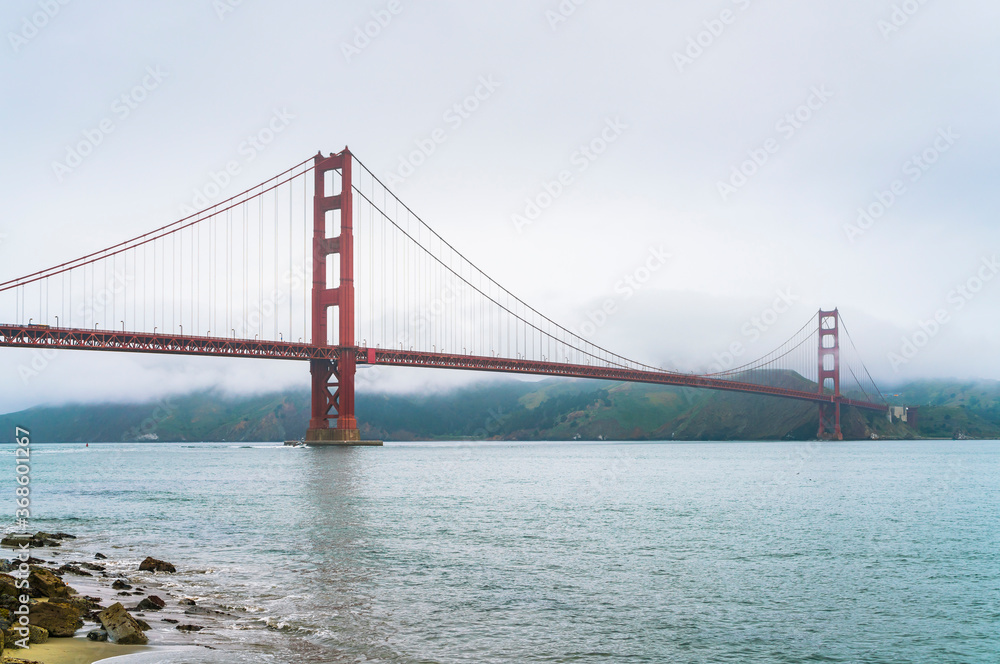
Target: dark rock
[36, 541]
[59, 619]
[190, 628]
[170, 620]
[72, 569]
[100, 556]
[121, 627]
[202, 611]
[97, 635]
[92, 566]
[10, 637]
[121, 584]
[151, 603]
[84, 604]
[37, 634]
[8, 586]
[151, 564]
[124, 592]
[143, 625]
[44, 583]
[186, 601]
[52, 537]
[15, 540]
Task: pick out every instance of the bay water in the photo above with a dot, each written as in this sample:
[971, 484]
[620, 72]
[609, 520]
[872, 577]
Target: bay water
[877, 551]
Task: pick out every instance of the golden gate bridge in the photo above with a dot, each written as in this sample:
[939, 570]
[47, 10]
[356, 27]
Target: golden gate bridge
[323, 263]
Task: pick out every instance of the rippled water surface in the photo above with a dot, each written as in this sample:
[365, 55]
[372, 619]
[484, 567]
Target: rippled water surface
[706, 552]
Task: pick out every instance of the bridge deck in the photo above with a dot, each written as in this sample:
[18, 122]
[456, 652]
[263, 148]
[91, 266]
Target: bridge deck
[36, 336]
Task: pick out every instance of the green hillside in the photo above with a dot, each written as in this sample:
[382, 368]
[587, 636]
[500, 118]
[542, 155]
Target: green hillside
[953, 409]
[511, 410]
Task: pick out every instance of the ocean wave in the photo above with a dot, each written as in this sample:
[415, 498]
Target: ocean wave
[37, 450]
[193, 655]
[245, 608]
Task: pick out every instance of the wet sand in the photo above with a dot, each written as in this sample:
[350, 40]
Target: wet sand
[70, 651]
[80, 650]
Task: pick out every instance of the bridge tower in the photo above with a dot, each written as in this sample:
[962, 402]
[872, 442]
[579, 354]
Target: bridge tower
[332, 420]
[829, 370]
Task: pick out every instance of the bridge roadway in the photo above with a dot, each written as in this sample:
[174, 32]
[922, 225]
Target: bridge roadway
[64, 338]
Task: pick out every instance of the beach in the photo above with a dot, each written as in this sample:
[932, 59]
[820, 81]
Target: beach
[75, 650]
[83, 603]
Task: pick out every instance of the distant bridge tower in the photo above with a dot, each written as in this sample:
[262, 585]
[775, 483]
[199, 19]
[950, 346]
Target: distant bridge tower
[829, 374]
[333, 381]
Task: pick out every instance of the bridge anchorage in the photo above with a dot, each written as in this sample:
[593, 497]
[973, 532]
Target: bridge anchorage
[369, 270]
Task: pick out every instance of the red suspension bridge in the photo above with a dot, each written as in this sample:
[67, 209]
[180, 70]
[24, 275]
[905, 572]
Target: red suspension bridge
[372, 284]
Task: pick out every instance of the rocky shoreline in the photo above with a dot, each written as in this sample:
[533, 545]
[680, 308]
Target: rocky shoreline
[112, 602]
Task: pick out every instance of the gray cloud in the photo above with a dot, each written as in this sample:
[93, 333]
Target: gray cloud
[688, 128]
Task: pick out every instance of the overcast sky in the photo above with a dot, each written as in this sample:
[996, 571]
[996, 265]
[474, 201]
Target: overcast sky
[743, 137]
